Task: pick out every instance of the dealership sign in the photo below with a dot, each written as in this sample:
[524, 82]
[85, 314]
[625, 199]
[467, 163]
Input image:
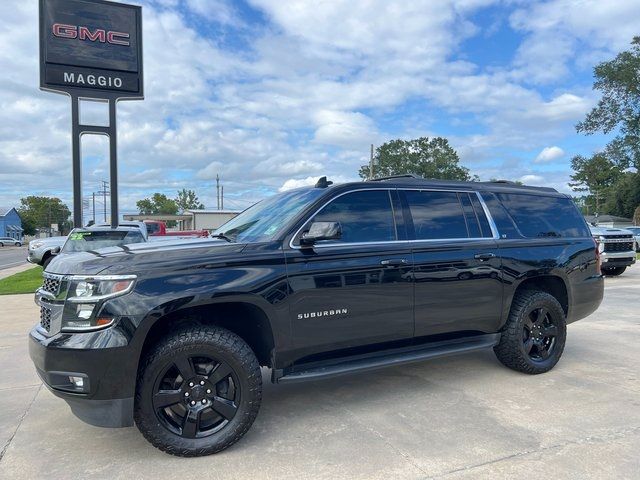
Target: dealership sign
[91, 46]
[91, 50]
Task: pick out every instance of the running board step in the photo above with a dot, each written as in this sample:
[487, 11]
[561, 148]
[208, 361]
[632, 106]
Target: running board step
[389, 359]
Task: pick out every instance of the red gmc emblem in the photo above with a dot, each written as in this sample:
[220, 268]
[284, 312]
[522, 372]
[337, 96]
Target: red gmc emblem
[84, 33]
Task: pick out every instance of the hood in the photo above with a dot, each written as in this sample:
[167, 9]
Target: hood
[49, 241]
[143, 257]
[609, 231]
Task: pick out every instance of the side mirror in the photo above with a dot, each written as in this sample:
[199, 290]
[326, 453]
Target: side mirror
[321, 231]
[56, 250]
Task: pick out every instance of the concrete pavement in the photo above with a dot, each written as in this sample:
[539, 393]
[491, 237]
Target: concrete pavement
[463, 417]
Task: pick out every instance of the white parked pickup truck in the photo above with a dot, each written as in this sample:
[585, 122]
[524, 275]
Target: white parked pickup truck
[616, 247]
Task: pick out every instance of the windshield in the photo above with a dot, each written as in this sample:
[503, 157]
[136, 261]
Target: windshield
[264, 220]
[83, 240]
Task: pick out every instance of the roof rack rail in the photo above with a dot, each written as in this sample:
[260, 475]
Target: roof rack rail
[510, 182]
[392, 177]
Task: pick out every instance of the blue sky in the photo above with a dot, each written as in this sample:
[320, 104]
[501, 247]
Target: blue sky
[271, 95]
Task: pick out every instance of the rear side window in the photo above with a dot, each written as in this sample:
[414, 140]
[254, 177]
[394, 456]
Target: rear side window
[364, 216]
[539, 216]
[436, 215]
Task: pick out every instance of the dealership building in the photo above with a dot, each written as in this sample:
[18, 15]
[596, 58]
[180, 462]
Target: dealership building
[10, 223]
[191, 219]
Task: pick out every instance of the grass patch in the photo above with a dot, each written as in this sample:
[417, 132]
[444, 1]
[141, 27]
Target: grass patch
[23, 282]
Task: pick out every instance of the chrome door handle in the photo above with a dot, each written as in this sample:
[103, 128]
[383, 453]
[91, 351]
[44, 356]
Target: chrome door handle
[394, 262]
[484, 256]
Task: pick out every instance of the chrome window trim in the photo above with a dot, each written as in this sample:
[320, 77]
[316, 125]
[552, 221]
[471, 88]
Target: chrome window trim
[492, 224]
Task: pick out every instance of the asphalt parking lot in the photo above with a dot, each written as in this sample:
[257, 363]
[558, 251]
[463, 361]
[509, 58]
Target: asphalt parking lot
[459, 417]
[11, 256]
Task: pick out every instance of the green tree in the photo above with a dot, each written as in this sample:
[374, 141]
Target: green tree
[38, 213]
[624, 197]
[619, 107]
[188, 200]
[595, 175]
[158, 204]
[428, 158]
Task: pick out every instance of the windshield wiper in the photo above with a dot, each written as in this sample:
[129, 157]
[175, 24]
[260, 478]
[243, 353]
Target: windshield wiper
[222, 236]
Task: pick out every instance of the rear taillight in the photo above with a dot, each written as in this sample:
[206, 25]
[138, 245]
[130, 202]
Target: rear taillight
[598, 261]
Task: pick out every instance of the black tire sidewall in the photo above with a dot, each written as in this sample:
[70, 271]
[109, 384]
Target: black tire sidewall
[160, 436]
[510, 350]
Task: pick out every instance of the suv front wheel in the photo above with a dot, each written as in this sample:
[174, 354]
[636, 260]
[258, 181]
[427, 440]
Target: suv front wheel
[533, 338]
[198, 392]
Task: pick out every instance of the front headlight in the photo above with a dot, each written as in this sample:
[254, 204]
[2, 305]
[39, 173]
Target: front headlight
[84, 298]
[94, 289]
[35, 245]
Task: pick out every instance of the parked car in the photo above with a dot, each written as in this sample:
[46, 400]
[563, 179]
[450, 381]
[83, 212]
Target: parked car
[617, 249]
[312, 283]
[42, 250]
[5, 241]
[636, 236]
[96, 237]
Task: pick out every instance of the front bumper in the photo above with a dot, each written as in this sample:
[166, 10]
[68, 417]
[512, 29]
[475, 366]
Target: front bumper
[107, 362]
[618, 259]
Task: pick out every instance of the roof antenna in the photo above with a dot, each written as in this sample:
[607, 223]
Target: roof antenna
[323, 182]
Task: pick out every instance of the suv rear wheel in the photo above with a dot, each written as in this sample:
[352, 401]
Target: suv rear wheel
[534, 336]
[613, 271]
[198, 392]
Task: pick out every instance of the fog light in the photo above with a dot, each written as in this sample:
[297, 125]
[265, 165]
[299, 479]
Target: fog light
[78, 382]
[68, 381]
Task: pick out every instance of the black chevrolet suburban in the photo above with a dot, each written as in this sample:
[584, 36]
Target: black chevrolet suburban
[311, 283]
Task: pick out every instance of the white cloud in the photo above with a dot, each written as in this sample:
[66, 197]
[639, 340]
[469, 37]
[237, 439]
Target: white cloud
[532, 179]
[549, 154]
[297, 183]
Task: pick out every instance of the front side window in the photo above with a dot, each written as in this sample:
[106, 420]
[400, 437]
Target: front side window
[364, 216]
[436, 215]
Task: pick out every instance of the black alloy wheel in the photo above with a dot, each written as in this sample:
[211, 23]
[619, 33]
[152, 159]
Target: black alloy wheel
[196, 396]
[199, 390]
[539, 334]
[534, 336]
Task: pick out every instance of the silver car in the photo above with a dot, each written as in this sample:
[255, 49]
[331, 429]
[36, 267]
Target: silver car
[636, 236]
[4, 241]
[42, 250]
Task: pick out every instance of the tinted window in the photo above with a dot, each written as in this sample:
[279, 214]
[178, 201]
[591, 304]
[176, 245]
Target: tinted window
[470, 216]
[539, 216]
[436, 215]
[364, 216]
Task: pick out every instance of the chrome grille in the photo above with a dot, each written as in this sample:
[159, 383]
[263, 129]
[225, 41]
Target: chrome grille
[45, 318]
[51, 284]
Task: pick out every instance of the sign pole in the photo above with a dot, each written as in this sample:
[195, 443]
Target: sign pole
[113, 163]
[76, 162]
[92, 51]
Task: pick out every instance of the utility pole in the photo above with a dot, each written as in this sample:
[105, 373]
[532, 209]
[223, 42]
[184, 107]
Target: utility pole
[218, 191]
[94, 207]
[222, 197]
[104, 193]
[371, 164]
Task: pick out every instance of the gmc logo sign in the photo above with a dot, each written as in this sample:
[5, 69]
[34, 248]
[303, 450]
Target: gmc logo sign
[61, 30]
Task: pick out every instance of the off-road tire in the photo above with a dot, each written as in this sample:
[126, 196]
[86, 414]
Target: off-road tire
[511, 349]
[198, 339]
[613, 271]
